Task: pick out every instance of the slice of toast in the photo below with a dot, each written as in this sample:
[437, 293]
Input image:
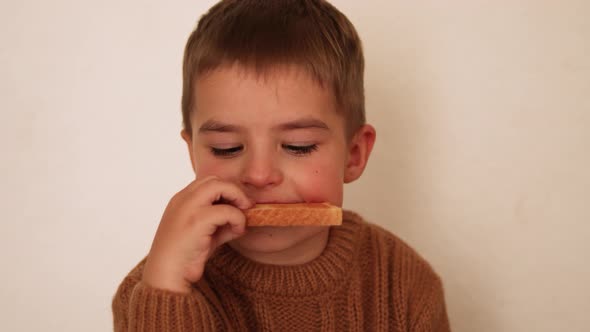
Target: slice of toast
[298, 214]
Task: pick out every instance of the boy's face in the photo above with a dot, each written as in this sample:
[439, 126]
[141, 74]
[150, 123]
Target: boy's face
[279, 138]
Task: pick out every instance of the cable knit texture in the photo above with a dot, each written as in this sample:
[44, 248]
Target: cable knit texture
[366, 279]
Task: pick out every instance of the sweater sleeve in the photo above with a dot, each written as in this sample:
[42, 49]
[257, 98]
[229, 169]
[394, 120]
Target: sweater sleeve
[140, 308]
[431, 313]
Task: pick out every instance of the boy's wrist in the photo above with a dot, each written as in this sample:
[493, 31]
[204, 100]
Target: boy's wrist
[169, 284]
[156, 277]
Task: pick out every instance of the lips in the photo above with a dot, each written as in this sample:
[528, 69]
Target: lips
[277, 202]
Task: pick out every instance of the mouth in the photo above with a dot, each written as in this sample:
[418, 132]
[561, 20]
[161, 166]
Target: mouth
[277, 202]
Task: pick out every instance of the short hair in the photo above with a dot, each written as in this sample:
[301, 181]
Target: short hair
[261, 35]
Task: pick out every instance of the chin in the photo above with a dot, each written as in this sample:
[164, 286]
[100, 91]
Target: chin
[274, 239]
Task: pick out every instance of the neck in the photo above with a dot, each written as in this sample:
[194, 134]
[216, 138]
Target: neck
[300, 253]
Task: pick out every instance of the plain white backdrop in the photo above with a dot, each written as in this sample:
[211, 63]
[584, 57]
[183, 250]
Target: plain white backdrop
[482, 161]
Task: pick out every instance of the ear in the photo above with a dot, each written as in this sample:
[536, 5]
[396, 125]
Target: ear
[359, 149]
[188, 138]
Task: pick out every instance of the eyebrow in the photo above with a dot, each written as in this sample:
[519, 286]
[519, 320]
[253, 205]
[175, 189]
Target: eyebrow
[217, 126]
[305, 123]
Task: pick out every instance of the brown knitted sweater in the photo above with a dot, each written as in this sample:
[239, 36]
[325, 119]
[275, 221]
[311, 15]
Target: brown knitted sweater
[365, 280]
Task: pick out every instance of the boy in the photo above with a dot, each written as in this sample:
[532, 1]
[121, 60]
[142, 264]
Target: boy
[273, 110]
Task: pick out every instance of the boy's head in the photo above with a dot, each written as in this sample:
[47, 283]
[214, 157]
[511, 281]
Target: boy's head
[263, 35]
[273, 101]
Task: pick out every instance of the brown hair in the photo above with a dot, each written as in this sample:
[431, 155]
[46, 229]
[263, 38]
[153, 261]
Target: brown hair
[263, 34]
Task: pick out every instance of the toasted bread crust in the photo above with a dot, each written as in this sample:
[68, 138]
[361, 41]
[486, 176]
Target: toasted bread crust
[300, 214]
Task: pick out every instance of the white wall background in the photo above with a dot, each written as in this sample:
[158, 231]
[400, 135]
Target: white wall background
[482, 162]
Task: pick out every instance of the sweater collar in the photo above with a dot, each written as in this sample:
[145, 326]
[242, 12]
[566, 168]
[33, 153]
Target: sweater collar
[318, 276]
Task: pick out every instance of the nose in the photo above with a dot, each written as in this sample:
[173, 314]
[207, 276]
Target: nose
[261, 170]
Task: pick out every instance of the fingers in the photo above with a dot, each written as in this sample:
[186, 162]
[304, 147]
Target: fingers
[220, 215]
[211, 190]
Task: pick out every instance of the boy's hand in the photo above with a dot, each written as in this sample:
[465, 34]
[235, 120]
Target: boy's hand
[192, 227]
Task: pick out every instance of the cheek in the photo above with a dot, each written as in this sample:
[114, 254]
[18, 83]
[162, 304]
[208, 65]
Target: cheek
[207, 166]
[320, 183]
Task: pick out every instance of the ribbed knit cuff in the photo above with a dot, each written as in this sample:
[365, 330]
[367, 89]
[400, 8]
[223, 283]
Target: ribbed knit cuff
[157, 310]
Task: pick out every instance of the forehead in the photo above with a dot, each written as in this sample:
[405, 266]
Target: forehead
[237, 92]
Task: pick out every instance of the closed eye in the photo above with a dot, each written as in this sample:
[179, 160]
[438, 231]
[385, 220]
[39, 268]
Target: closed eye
[300, 149]
[226, 152]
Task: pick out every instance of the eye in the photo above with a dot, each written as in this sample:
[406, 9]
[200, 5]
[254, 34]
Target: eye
[300, 149]
[226, 152]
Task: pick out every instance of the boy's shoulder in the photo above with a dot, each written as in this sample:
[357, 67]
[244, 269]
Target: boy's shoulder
[386, 262]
